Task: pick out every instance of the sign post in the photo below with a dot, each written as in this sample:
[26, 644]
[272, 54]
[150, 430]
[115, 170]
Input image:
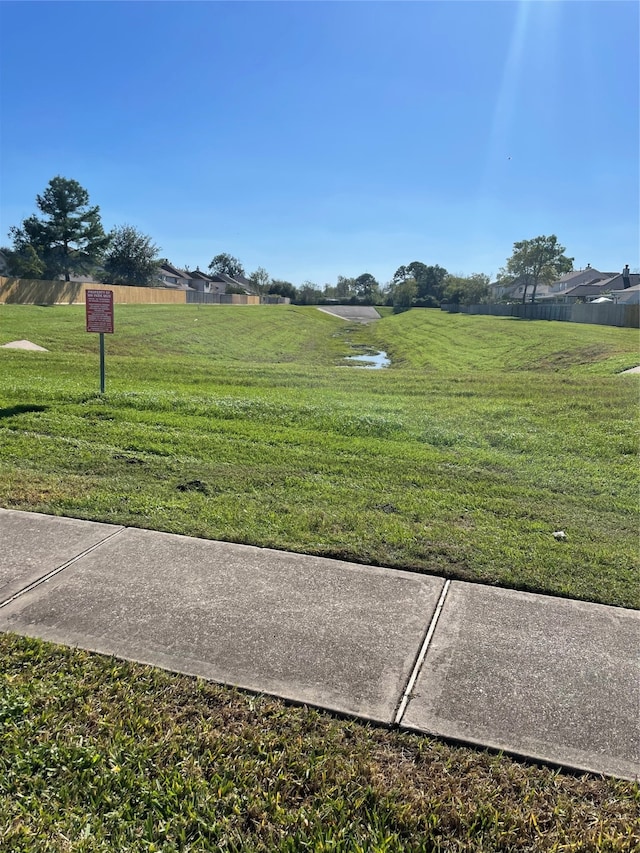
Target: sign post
[99, 305]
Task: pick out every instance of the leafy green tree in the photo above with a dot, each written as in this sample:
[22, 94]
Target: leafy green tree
[308, 294]
[68, 239]
[261, 280]
[226, 264]
[366, 286]
[538, 261]
[23, 263]
[132, 258]
[429, 279]
[404, 295]
[400, 275]
[282, 288]
[345, 287]
[466, 290]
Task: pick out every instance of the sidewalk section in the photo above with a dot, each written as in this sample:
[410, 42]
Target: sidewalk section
[331, 634]
[549, 678]
[32, 545]
[538, 676]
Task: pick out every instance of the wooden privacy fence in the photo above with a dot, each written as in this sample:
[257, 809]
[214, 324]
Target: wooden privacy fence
[37, 292]
[603, 314]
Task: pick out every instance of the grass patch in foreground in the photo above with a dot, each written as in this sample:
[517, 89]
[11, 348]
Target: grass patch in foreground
[244, 424]
[101, 755]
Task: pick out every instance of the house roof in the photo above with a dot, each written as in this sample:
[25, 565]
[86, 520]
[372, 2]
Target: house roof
[202, 275]
[617, 280]
[241, 279]
[628, 296]
[167, 267]
[634, 287]
[220, 276]
[613, 282]
[593, 289]
[569, 276]
[517, 282]
[238, 281]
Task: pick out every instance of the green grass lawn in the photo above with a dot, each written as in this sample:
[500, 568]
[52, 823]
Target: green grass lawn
[484, 437]
[245, 424]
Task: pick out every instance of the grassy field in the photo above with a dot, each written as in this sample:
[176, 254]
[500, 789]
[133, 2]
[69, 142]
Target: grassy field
[244, 424]
[484, 437]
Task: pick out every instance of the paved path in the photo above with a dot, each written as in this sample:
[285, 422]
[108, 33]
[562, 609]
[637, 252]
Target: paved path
[538, 676]
[357, 313]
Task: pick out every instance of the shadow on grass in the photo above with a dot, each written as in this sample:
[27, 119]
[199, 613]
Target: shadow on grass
[20, 410]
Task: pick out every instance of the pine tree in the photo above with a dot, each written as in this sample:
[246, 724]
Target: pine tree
[69, 238]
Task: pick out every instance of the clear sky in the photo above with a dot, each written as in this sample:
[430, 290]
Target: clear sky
[332, 138]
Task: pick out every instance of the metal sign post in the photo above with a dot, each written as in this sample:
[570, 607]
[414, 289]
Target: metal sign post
[102, 362]
[99, 305]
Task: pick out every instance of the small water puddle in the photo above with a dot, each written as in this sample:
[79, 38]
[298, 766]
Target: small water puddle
[372, 361]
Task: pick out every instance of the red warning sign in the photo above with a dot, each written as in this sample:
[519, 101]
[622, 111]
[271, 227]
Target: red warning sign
[99, 305]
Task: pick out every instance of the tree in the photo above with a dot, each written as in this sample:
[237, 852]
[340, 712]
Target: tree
[345, 287]
[538, 261]
[69, 238]
[308, 293]
[400, 275]
[404, 294]
[365, 286]
[282, 288]
[429, 279]
[132, 258]
[226, 264]
[466, 290]
[23, 263]
[260, 279]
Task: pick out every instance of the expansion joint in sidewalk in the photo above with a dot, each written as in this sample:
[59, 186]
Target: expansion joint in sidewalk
[59, 569]
[421, 654]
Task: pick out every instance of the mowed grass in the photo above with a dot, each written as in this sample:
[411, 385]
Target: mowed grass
[246, 424]
[103, 755]
[243, 424]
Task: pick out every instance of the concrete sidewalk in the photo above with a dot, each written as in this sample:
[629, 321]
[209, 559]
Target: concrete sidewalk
[537, 676]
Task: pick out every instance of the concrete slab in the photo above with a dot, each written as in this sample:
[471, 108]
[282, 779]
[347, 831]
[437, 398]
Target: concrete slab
[359, 313]
[332, 634]
[535, 675]
[32, 545]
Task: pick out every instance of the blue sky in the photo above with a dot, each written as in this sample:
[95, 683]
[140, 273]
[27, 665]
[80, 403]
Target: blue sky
[332, 138]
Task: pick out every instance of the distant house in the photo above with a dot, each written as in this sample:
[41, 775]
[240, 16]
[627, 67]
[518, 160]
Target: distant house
[205, 283]
[575, 278]
[584, 292]
[623, 280]
[610, 283]
[238, 281]
[575, 286]
[170, 276]
[628, 296]
[515, 289]
[244, 282]
[512, 290]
